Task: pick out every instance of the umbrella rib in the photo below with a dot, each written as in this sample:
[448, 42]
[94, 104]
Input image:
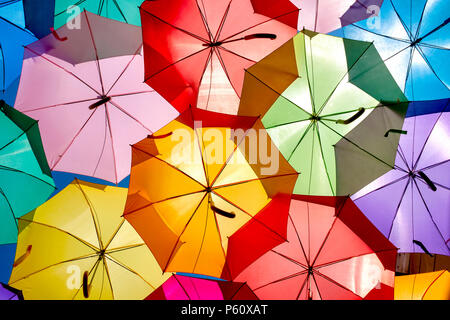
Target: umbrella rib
[203, 240]
[431, 216]
[260, 23]
[300, 140]
[124, 70]
[299, 240]
[169, 164]
[346, 74]
[314, 127]
[290, 259]
[129, 247]
[236, 54]
[115, 104]
[200, 149]
[338, 212]
[409, 70]
[324, 162]
[402, 155]
[53, 265]
[279, 94]
[334, 282]
[108, 276]
[131, 93]
[96, 52]
[429, 65]
[382, 187]
[26, 173]
[203, 17]
[281, 279]
[182, 287]
[10, 208]
[89, 245]
[114, 234]
[432, 46]
[251, 217]
[37, 55]
[237, 291]
[327, 264]
[398, 207]
[100, 7]
[432, 282]
[311, 96]
[93, 214]
[120, 11]
[370, 154]
[112, 140]
[24, 132]
[59, 105]
[285, 124]
[222, 22]
[419, 25]
[174, 63]
[435, 165]
[317, 286]
[402, 22]
[2, 56]
[302, 287]
[93, 269]
[324, 117]
[255, 179]
[181, 233]
[73, 139]
[175, 27]
[222, 63]
[210, 77]
[103, 147]
[119, 263]
[426, 141]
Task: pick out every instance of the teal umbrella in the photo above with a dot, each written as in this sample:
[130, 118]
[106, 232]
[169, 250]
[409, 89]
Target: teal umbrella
[25, 178]
[122, 10]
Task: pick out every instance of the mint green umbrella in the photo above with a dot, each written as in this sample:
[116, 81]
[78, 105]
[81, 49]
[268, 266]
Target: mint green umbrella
[25, 178]
[331, 107]
[122, 10]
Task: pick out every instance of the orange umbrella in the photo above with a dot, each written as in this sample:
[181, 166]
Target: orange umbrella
[423, 286]
[192, 187]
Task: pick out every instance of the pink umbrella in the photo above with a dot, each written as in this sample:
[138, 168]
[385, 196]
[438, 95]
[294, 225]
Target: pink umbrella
[89, 96]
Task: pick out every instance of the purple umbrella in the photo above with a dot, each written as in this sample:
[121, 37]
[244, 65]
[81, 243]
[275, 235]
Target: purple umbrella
[410, 204]
[9, 293]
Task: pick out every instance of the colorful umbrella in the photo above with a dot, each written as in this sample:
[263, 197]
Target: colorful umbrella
[25, 179]
[197, 181]
[410, 204]
[77, 246]
[423, 286]
[413, 39]
[319, 96]
[39, 16]
[12, 39]
[9, 293]
[89, 95]
[332, 252]
[122, 10]
[328, 15]
[197, 57]
[179, 287]
[12, 10]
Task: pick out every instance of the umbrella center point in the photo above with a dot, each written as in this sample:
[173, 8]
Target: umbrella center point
[314, 117]
[213, 44]
[310, 270]
[101, 253]
[208, 189]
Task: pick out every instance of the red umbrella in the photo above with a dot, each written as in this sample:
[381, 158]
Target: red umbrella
[196, 51]
[332, 252]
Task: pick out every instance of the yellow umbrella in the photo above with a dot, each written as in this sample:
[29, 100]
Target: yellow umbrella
[423, 286]
[77, 246]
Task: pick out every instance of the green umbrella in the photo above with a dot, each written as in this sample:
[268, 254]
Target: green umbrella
[331, 106]
[25, 178]
[122, 10]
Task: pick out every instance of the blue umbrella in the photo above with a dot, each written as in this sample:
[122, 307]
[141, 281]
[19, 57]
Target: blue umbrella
[12, 10]
[12, 39]
[413, 38]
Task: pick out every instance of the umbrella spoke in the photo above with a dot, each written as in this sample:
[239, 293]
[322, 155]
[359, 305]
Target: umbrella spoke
[10, 208]
[37, 56]
[26, 173]
[327, 264]
[290, 259]
[182, 287]
[124, 70]
[112, 141]
[103, 146]
[96, 54]
[324, 162]
[60, 105]
[205, 22]
[398, 207]
[430, 66]
[222, 63]
[408, 31]
[203, 238]
[177, 28]
[115, 104]
[383, 186]
[297, 234]
[120, 11]
[222, 22]
[201, 149]
[382, 35]
[335, 283]
[282, 279]
[431, 217]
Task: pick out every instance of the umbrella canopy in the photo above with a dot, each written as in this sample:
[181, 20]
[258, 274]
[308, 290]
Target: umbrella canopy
[179, 287]
[25, 179]
[413, 39]
[39, 16]
[410, 204]
[77, 246]
[319, 95]
[122, 10]
[90, 93]
[332, 252]
[13, 37]
[13, 12]
[423, 286]
[213, 183]
[9, 293]
[197, 57]
[328, 15]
